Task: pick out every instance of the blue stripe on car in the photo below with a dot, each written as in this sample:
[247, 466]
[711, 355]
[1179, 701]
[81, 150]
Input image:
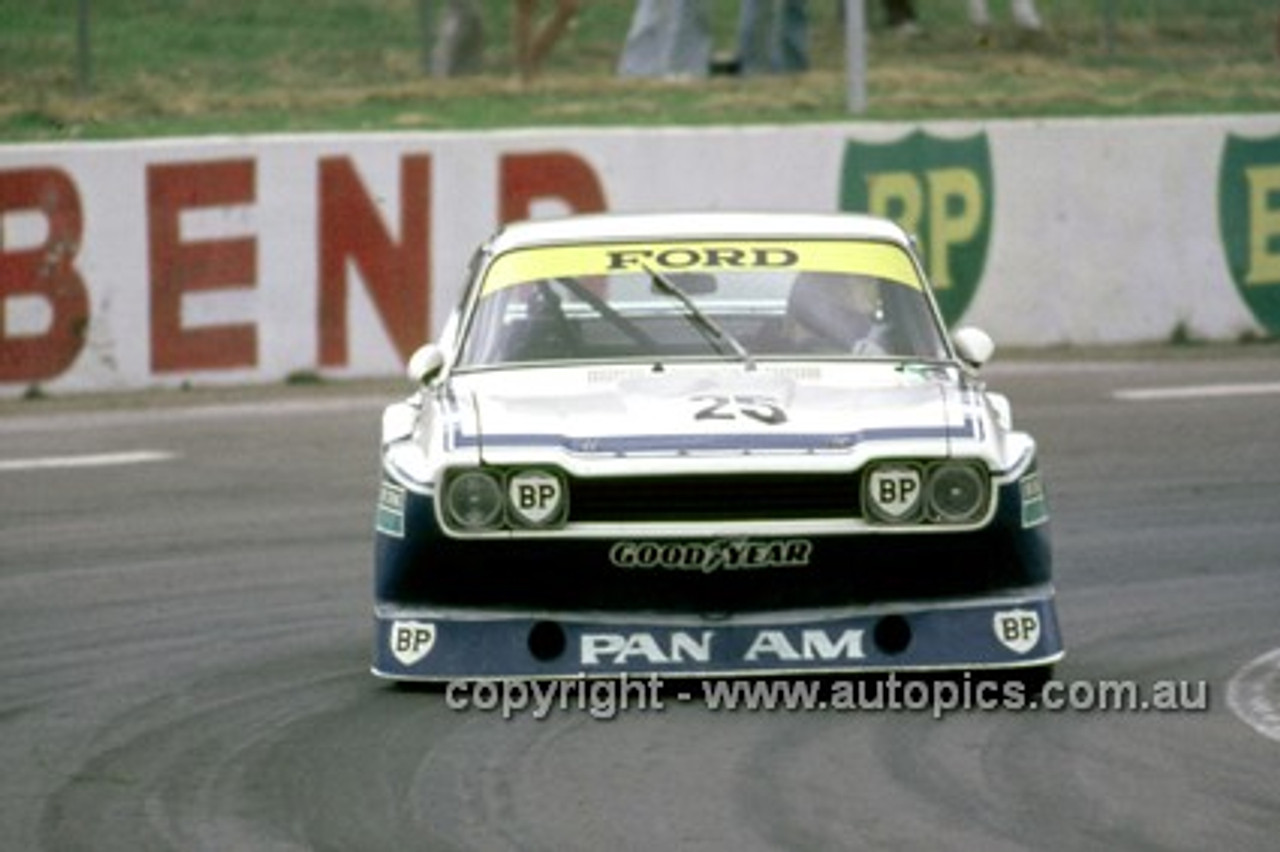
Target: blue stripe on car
[830, 442]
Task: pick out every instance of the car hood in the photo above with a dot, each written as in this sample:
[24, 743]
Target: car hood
[722, 411]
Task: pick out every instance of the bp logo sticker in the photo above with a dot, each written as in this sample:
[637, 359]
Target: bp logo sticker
[895, 492]
[1017, 629]
[411, 641]
[940, 190]
[1249, 223]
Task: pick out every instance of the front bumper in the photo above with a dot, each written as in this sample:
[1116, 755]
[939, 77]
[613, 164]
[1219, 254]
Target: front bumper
[1016, 630]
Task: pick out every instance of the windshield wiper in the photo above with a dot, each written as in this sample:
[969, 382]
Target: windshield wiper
[704, 322]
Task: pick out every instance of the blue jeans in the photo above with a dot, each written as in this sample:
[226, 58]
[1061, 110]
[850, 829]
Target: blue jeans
[667, 38]
[773, 36]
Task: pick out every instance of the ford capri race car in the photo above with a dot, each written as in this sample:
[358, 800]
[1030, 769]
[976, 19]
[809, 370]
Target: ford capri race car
[705, 444]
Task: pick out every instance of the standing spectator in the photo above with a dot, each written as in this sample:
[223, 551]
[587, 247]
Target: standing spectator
[1025, 16]
[667, 38]
[773, 37]
[532, 44]
[459, 37]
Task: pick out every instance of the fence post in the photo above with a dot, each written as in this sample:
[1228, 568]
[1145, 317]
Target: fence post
[1108, 28]
[84, 65]
[855, 45]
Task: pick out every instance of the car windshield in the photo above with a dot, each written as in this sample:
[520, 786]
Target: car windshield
[747, 300]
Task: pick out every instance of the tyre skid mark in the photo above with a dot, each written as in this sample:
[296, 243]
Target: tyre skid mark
[1253, 694]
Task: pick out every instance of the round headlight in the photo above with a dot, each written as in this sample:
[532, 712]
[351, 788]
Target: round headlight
[473, 500]
[893, 492]
[536, 497]
[957, 492]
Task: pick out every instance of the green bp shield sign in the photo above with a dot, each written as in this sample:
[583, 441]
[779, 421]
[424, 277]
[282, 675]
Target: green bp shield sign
[938, 189]
[1249, 223]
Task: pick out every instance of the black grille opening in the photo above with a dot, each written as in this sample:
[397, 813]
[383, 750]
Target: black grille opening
[715, 497]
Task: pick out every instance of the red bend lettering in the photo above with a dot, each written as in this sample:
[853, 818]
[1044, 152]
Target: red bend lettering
[398, 276]
[178, 267]
[47, 271]
[558, 174]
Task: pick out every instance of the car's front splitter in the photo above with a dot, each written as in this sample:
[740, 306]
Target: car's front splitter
[1007, 632]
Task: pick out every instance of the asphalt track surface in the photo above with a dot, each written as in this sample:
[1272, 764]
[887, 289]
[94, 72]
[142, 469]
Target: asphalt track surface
[184, 649]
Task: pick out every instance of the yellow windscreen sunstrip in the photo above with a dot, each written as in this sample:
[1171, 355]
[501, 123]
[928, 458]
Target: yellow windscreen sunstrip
[882, 260]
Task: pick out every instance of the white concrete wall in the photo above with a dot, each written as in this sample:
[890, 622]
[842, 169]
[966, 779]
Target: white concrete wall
[1099, 232]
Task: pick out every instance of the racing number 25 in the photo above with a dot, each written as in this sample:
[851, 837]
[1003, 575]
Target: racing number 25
[761, 408]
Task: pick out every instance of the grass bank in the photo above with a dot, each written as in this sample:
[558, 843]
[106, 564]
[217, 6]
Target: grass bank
[164, 67]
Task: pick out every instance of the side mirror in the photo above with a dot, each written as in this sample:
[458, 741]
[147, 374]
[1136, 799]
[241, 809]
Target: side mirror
[425, 364]
[974, 346]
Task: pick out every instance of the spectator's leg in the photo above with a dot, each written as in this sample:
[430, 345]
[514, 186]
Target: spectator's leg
[791, 48]
[643, 54]
[459, 46]
[691, 45]
[979, 14]
[1025, 15]
[755, 23]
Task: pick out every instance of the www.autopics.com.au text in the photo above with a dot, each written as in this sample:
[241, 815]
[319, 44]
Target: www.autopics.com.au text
[606, 698]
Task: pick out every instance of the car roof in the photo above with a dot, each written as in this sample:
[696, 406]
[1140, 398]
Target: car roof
[641, 227]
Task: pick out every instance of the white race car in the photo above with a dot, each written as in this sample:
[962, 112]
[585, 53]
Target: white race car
[706, 444]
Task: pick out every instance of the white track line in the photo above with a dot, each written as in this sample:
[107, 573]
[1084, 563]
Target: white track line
[97, 419]
[85, 460]
[1253, 694]
[1198, 391]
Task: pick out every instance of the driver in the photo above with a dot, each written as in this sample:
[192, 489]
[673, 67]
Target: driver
[833, 312]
